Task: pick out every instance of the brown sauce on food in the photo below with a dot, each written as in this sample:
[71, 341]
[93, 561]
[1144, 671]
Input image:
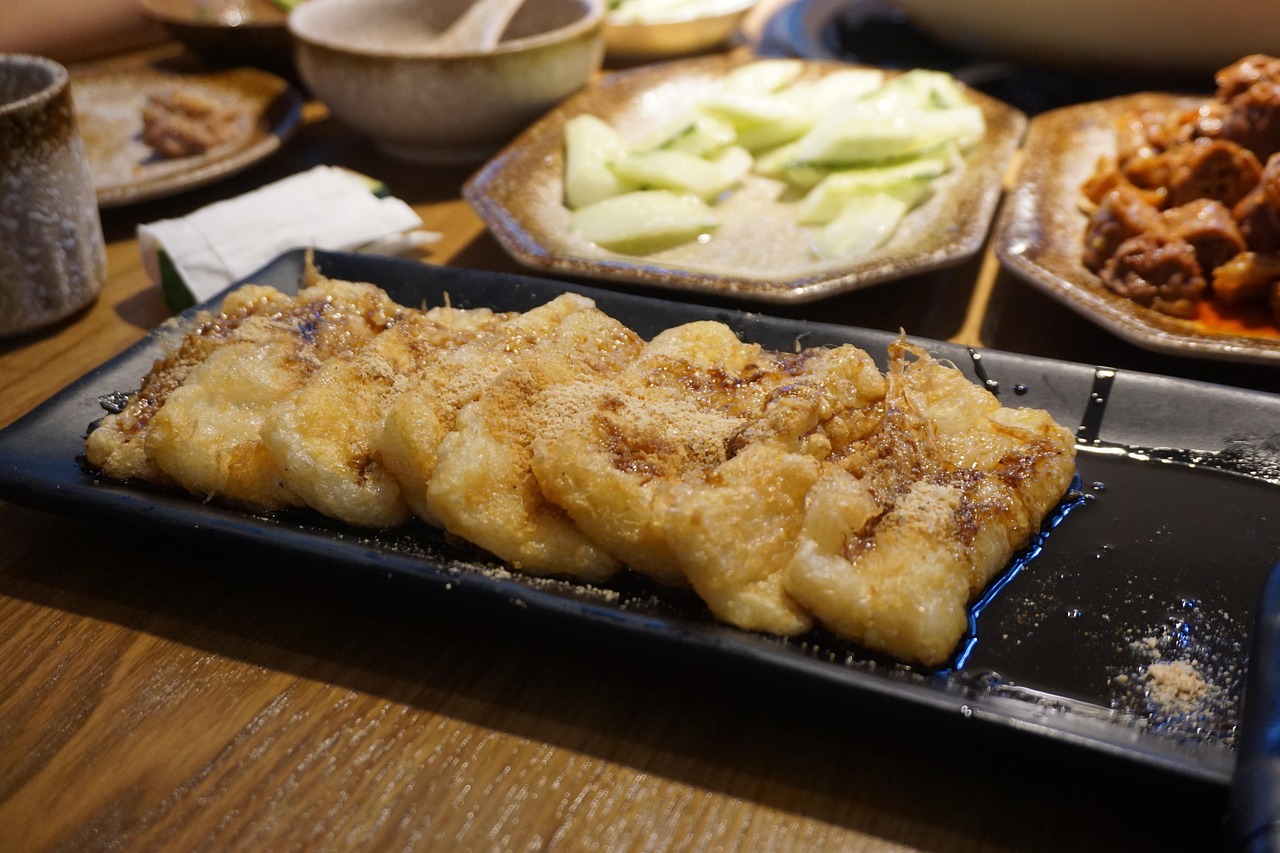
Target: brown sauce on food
[1184, 219]
[182, 123]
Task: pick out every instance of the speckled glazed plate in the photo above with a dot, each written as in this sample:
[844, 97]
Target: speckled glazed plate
[1040, 231]
[759, 252]
[109, 109]
[683, 34]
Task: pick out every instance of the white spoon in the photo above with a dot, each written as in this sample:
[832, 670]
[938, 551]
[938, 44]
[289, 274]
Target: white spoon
[478, 28]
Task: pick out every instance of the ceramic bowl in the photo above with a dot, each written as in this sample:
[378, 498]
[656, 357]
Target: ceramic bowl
[691, 28]
[52, 256]
[1175, 36]
[228, 32]
[373, 63]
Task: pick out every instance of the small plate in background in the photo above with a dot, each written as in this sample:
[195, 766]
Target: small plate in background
[1179, 37]
[713, 24]
[1040, 233]
[759, 252]
[229, 32]
[109, 105]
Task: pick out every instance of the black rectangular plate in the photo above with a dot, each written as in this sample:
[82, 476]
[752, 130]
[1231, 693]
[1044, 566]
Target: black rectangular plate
[1162, 559]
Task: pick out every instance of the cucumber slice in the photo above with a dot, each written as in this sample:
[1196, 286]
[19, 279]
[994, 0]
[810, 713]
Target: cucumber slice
[682, 172]
[768, 120]
[763, 75]
[774, 164]
[644, 221]
[748, 109]
[922, 88]
[909, 181]
[869, 135]
[781, 164]
[590, 145]
[864, 225]
[699, 134]
[842, 87]
[765, 136]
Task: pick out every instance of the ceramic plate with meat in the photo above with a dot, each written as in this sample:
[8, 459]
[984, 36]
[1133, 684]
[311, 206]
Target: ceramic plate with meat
[254, 113]
[1042, 229]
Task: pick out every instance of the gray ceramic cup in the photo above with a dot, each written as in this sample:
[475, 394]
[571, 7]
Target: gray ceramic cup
[53, 260]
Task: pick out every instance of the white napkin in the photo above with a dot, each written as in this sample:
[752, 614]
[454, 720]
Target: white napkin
[325, 207]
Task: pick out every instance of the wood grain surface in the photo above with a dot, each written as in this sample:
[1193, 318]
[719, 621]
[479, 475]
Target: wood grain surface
[158, 697]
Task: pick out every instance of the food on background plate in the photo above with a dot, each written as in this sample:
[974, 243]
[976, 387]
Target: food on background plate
[1185, 217]
[182, 123]
[656, 11]
[853, 152]
[787, 490]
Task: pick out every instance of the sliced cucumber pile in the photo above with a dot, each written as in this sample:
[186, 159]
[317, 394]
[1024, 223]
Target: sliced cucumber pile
[856, 149]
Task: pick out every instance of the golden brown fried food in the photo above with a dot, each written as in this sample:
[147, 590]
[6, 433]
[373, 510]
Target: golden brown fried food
[665, 470]
[904, 529]
[207, 435]
[483, 488]
[673, 410]
[734, 534]
[735, 528]
[420, 419]
[786, 489]
[322, 438]
[118, 444]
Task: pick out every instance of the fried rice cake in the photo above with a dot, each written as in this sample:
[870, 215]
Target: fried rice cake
[735, 527]
[322, 437]
[419, 419]
[661, 469]
[786, 489]
[117, 444]
[206, 436]
[672, 410]
[483, 488]
[904, 528]
[811, 487]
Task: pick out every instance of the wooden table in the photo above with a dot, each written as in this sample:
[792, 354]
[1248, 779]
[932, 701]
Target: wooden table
[158, 698]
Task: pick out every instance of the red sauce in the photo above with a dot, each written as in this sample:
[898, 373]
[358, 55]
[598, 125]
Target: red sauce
[1253, 322]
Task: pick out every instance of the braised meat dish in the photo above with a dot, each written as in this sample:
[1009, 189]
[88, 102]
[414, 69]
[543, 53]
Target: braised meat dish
[1188, 209]
[182, 123]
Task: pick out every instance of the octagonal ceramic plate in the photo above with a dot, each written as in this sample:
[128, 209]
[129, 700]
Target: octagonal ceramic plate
[1039, 236]
[109, 105]
[759, 252]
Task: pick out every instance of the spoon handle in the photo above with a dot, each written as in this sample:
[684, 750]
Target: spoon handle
[480, 27]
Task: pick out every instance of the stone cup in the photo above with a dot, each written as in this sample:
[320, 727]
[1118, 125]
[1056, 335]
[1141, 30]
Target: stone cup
[53, 259]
